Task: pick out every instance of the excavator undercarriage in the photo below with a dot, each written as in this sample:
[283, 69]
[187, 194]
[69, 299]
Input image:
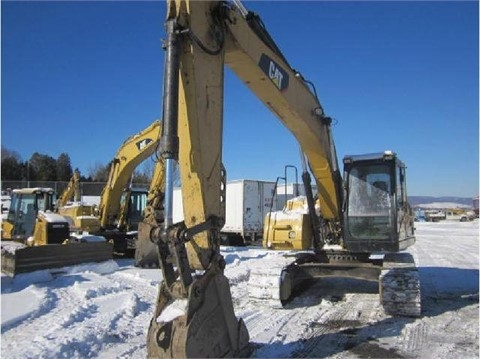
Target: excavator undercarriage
[396, 274]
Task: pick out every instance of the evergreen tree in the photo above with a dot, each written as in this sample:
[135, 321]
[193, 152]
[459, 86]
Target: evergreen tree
[42, 168]
[64, 167]
[11, 169]
[11, 165]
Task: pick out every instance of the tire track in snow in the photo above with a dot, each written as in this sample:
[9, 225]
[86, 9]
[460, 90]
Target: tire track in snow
[83, 326]
[134, 327]
[48, 300]
[38, 329]
[103, 321]
[414, 337]
[336, 326]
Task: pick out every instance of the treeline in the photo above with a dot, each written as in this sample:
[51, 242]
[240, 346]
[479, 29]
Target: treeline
[42, 167]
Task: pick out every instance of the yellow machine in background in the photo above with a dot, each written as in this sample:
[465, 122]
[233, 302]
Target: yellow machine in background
[290, 228]
[27, 218]
[37, 219]
[201, 38]
[121, 205]
[82, 217]
[132, 152]
[35, 237]
[72, 190]
[146, 254]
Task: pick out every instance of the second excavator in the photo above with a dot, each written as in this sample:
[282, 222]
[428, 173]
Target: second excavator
[365, 214]
[121, 205]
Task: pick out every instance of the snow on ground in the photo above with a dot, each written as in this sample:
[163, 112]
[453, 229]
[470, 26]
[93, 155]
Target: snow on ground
[443, 205]
[103, 310]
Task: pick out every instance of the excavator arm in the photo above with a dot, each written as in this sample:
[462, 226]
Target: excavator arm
[146, 254]
[133, 151]
[72, 190]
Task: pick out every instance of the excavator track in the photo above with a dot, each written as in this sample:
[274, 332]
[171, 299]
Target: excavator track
[399, 286]
[398, 278]
[271, 285]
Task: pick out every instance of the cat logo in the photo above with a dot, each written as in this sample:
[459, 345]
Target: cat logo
[274, 72]
[143, 143]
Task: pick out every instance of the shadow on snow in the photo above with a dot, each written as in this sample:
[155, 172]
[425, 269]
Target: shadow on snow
[443, 289]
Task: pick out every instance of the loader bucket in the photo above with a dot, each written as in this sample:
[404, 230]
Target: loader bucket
[29, 259]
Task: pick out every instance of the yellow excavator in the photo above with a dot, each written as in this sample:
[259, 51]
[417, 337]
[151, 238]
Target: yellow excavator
[121, 205]
[81, 216]
[133, 151]
[369, 222]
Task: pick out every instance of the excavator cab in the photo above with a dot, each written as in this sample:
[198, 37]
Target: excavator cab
[377, 216]
[133, 201]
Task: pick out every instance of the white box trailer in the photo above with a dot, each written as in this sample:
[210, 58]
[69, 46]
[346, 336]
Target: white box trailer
[246, 205]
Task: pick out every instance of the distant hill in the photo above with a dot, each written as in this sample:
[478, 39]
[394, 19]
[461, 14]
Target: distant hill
[437, 201]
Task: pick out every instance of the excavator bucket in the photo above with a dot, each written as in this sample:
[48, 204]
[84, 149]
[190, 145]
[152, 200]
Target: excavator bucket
[146, 254]
[202, 326]
[17, 258]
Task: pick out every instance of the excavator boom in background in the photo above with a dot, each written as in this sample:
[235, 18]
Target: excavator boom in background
[132, 152]
[72, 190]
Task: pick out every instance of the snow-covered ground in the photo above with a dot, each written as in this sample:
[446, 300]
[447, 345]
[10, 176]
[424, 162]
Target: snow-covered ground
[103, 310]
[443, 205]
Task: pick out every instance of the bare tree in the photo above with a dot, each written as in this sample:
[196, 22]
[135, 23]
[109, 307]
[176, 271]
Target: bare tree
[99, 172]
[7, 153]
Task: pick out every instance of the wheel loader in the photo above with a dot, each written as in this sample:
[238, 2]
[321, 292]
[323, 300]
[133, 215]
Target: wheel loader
[34, 237]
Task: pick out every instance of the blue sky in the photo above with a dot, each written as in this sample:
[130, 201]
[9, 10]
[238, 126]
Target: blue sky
[82, 77]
